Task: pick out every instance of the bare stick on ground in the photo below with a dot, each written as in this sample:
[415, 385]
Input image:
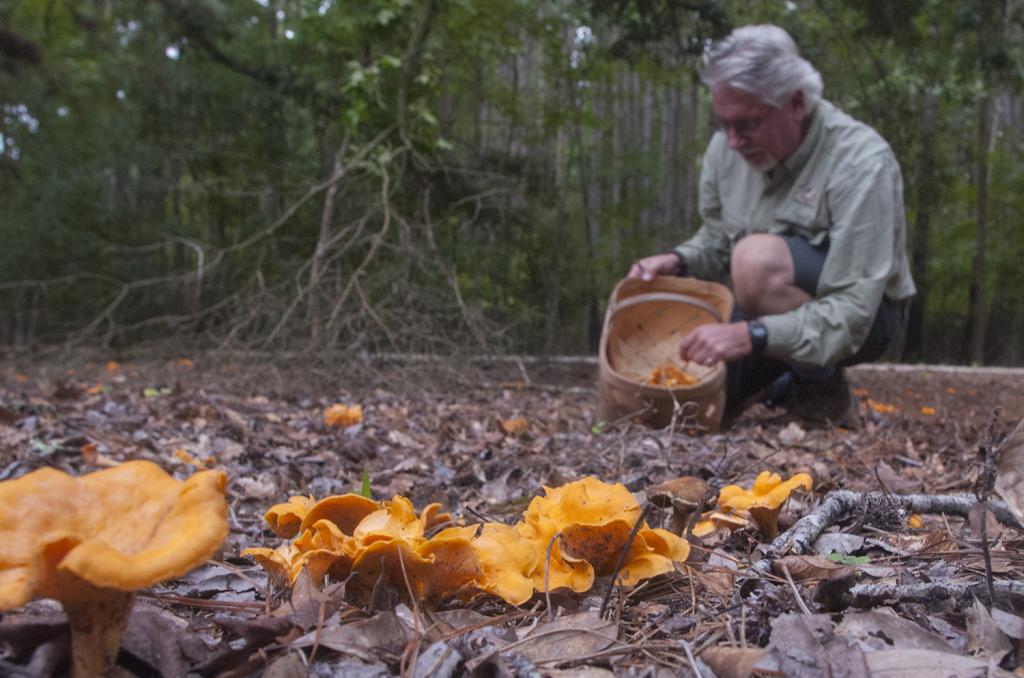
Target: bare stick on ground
[841, 504]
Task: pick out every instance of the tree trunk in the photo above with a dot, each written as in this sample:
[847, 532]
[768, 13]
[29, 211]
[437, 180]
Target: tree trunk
[691, 151]
[669, 159]
[316, 313]
[976, 294]
[647, 154]
[478, 118]
[926, 198]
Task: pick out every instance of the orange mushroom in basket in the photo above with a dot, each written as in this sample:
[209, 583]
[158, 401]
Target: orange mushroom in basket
[669, 376]
[91, 542]
[764, 500]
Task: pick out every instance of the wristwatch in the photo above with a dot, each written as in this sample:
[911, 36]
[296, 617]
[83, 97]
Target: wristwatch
[758, 335]
[682, 263]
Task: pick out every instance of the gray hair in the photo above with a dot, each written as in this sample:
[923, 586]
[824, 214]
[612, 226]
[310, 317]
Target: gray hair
[762, 60]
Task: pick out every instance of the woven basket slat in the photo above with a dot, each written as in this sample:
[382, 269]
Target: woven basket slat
[643, 327]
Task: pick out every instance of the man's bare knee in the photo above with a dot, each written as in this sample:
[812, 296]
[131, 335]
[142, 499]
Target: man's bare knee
[764, 276]
[762, 270]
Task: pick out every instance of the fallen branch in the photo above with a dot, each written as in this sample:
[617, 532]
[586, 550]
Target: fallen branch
[842, 504]
[872, 595]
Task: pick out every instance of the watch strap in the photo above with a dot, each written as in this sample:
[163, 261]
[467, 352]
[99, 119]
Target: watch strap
[758, 335]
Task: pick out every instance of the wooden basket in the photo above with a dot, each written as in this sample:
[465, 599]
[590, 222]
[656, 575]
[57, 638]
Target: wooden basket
[643, 327]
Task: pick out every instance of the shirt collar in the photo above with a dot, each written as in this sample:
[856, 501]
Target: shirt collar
[791, 166]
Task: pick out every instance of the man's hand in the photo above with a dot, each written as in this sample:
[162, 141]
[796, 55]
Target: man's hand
[659, 264]
[710, 343]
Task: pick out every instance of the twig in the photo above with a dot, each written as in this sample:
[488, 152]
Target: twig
[796, 591]
[988, 453]
[840, 504]
[547, 574]
[872, 595]
[622, 557]
[203, 603]
[414, 642]
[689, 657]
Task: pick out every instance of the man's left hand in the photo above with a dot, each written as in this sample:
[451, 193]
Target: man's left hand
[710, 343]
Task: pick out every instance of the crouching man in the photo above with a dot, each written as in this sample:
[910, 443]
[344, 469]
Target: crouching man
[802, 208]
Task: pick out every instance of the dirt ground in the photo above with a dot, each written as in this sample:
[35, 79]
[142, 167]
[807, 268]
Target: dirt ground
[483, 442]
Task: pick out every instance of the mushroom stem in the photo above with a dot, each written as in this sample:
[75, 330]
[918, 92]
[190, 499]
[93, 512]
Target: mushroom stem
[767, 520]
[97, 617]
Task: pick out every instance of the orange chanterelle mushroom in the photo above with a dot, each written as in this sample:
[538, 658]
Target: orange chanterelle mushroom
[669, 376]
[90, 542]
[764, 500]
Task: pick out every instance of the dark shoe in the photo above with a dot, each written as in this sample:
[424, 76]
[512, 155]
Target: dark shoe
[780, 391]
[821, 401]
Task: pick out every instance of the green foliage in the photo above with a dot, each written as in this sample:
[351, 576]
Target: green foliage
[364, 485]
[837, 557]
[164, 168]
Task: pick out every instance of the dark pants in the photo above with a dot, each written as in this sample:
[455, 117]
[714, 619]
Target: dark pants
[753, 373]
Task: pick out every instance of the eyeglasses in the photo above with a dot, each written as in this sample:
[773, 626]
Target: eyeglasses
[742, 128]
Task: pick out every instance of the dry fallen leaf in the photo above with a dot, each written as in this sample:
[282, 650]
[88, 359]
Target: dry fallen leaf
[807, 645]
[792, 434]
[733, 662]
[882, 629]
[1010, 472]
[984, 638]
[926, 663]
[576, 636]
[812, 567]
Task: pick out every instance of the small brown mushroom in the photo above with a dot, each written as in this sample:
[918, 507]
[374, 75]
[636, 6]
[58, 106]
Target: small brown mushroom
[684, 495]
[91, 542]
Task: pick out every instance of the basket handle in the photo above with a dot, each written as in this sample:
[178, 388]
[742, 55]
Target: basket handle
[664, 296]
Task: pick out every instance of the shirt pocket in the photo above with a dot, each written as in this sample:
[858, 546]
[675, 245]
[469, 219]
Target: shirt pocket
[735, 224]
[803, 214]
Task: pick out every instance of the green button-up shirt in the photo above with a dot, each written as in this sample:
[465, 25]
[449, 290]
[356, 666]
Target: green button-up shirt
[842, 184]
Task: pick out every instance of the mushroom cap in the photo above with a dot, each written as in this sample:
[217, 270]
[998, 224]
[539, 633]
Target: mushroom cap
[713, 521]
[561, 569]
[124, 528]
[344, 510]
[451, 566]
[286, 519]
[595, 520]
[434, 515]
[343, 415]
[283, 564]
[768, 492]
[685, 491]
[507, 562]
[395, 519]
[585, 502]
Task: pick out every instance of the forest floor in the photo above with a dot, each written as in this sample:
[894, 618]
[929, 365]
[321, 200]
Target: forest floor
[871, 595]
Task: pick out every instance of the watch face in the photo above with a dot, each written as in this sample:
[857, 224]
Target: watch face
[758, 335]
